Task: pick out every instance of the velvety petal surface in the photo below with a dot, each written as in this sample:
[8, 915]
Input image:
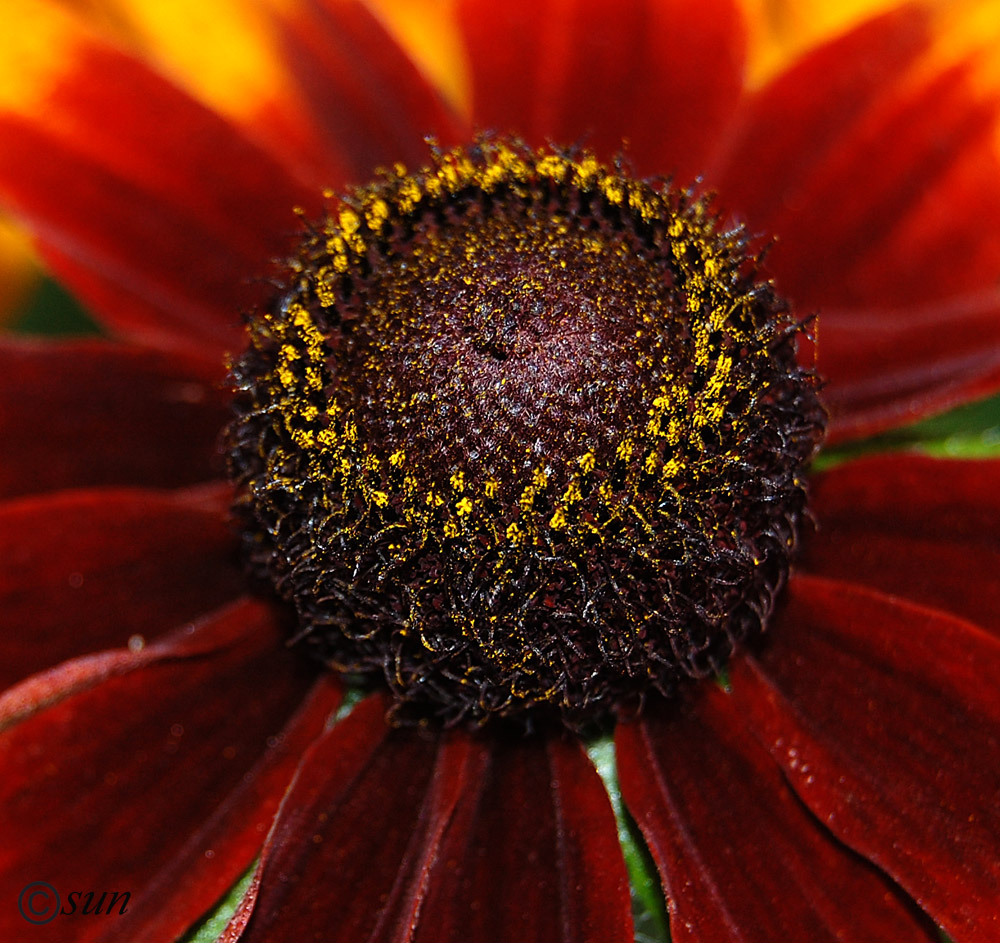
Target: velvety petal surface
[532, 853]
[89, 570]
[135, 186]
[112, 785]
[369, 103]
[195, 880]
[741, 859]
[912, 526]
[84, 413]
[782, 135]
[360, 824]
[663, 75]
[402, 834]
[878, 174]
[890, 368]
[885, 719]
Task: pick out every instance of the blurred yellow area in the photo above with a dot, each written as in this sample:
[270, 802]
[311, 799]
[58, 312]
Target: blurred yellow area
[970, 29]
[427, 30]
[782, 30]
[33, 50]
[227, 53]
[224, 51]
[779, 31]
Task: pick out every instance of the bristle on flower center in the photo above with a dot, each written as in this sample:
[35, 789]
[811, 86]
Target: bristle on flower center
[525, 434]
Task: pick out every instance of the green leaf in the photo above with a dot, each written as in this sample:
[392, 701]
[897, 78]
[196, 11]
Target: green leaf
[971, 431]
[53, 311]
[211, 927]
[648, 908]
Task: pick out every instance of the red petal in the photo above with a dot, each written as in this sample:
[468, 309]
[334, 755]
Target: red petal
[112, 786]
[889, 368]
[885, 718]
[92, 413]
[879, 181]
[475, 839]
[741, 859]
[917, 527]
[663, 74]
[133, 184]
[785, 134]
[367, 96]
[532, 853]
[88, 570]
[790, 127]
[194, 881]
[359, 826]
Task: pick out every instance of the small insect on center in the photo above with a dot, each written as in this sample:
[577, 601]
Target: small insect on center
[524, 435]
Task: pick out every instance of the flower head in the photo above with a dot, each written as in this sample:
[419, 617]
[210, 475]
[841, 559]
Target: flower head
[525, 431]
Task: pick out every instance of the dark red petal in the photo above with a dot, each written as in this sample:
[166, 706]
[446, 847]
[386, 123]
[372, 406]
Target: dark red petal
[878, 180]
[392, 835]
[367, 97]
[135, 186]
[194, 881]
[741, 860]
[111, 786]
[664, 75]
[84, 571]
[791, 126]
[359, 826]
[532, 853]
[889, 368]
[912, 526]
[92, 413]
[893, 218]
[885, 718]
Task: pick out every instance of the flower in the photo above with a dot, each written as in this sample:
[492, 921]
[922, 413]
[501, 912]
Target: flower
[156, 734]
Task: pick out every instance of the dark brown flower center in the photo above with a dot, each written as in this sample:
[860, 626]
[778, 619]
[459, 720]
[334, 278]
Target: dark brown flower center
[525, 433]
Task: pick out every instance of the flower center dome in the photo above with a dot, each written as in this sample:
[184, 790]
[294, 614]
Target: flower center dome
[524, 434]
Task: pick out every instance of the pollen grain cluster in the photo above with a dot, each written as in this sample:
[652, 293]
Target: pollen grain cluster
[524, 434]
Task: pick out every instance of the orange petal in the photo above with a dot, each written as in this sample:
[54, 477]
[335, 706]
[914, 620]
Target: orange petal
[428, 31]
[227, 54]
[137, 193]
[783, 30]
